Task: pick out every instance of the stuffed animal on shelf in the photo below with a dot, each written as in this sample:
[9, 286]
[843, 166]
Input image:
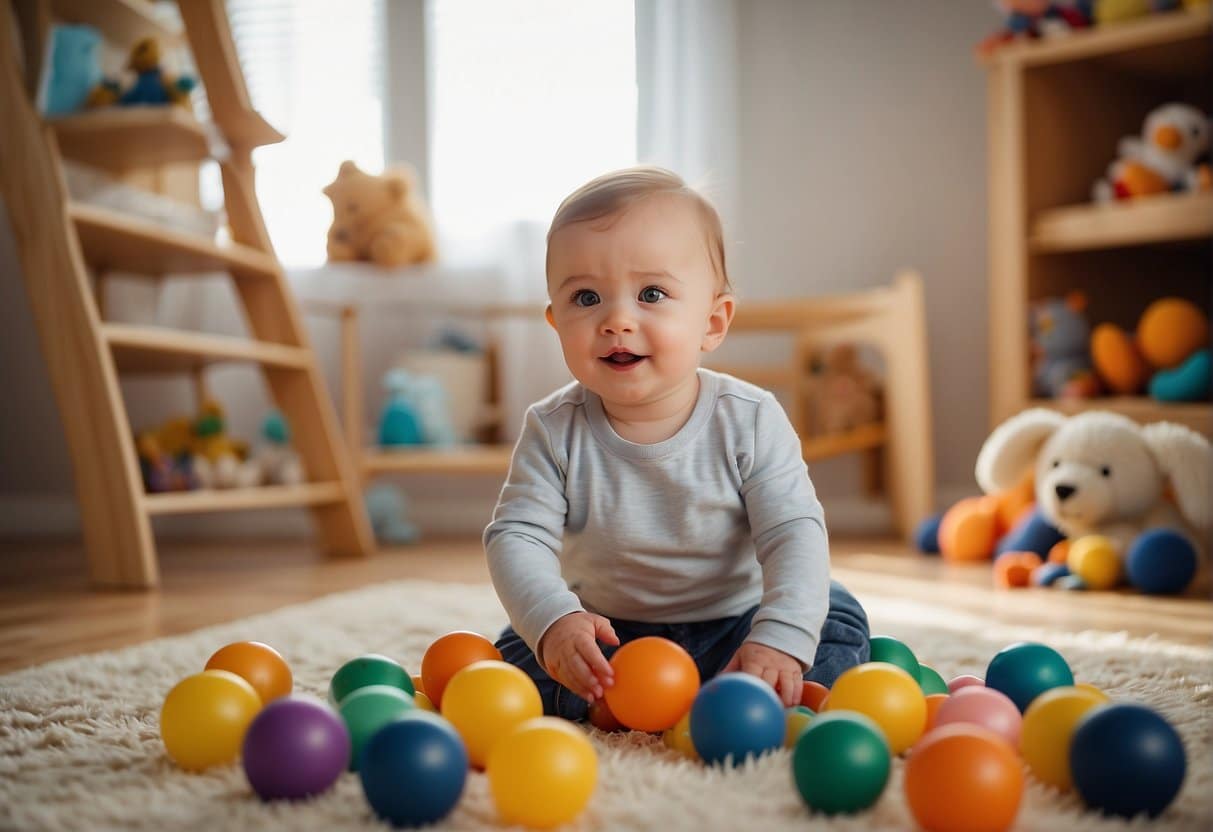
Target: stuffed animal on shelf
[274, 462]
[1133, 496]
[416, 412]
[844, 394]
[380, 219]
[1163, 159]
[152, 85]
[1061, 356]
[388, 510]
[1025, 19]
[162, 471]
[1168, 354]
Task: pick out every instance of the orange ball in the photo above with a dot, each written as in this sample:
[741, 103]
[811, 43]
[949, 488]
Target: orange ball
[1014, 569]
[934, 700]
[1117, 360]
[1060, 552]
[450, 654]
[968, 529]
[258, 664]
[1170, 330]
[963, 778]
[814, 695]
[655, 683]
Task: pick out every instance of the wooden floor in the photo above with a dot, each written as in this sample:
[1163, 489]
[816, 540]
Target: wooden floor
[47, 609]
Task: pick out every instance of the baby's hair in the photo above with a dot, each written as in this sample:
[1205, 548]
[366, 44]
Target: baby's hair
[619, 190]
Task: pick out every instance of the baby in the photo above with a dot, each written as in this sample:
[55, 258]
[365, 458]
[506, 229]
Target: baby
[652, 497]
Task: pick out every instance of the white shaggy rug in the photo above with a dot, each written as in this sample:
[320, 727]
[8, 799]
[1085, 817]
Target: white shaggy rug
[80, 746]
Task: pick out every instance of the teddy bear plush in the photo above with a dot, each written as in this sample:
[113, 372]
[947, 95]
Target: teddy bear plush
[1100, 473]
[844, 393]
[378, 218]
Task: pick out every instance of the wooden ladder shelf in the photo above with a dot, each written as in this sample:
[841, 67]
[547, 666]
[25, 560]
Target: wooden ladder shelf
[64, 245]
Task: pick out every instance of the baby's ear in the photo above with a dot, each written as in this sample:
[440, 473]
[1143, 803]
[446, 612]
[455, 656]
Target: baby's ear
[547, 315]
[719, 320]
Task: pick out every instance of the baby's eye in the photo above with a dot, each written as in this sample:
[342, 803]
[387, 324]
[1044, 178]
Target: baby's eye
[652, 294]
[585, 297]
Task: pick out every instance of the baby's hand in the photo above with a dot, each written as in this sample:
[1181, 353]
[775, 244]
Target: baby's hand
[569, 651]
[776, 668]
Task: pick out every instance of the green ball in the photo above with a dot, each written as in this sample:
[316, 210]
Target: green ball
[368, 709]
[1025, 670]
[930, 681]
[892, 651]
[371, 669]
[841, 763]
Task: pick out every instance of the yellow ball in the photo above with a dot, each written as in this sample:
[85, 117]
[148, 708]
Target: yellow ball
[1048, 726]
[204, 718]
[542, 773]
[485, 701]
[1090, 688]
[887, 694]
[797, 720]
[679, 737]
[1094, 559]
[423, 702]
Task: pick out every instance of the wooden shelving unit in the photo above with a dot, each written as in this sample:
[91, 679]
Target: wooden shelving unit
[1057, 109]
[67, 249]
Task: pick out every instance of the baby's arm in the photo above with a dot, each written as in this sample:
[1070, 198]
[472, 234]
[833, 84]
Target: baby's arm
[788, 526]
[522, 545]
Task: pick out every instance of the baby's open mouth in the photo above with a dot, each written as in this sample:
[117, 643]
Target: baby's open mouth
[623, 358]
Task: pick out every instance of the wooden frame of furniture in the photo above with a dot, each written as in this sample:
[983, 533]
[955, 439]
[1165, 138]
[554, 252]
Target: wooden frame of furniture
[898, 451]
[66, 247]
[1057, 109]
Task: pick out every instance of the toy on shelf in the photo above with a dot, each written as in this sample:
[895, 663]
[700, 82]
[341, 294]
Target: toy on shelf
[163, 471]
[1168, 354]
[388, 509]
[380, 219]
[844, 394]
[416, 412]
[275, 462]
[152, 86]
[73, 69]
[1030, 19]
[184, 454]
[1061, 353]
[1163, 159]
[462, 368]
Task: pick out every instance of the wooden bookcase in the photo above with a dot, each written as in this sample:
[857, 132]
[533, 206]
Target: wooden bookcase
[1056, 112]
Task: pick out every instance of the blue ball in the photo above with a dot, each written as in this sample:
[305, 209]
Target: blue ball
[1031, 534]
[926, 536]
[413, 769]
[1161, 562]
[1025, 670]
[1073, 583]
[1048, 573]
[736, 715]
[1126, 760]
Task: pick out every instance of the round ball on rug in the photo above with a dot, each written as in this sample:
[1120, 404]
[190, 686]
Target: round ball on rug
[80, 746]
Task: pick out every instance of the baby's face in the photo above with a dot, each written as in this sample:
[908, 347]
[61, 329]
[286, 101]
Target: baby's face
[633, 298]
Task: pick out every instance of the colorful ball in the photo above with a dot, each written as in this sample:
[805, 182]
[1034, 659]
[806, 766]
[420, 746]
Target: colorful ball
[934, 703]
[371, 669]
[841, 763]
[258, 664]
[1013, 570]
[1170, 330]
[485, 701]
[963, 778]
[736, 715]
[368, 709]
[414, 770]
[1126, 760]
[542, 773]
[887, 694]
[296, 747]
[603, 719]
[1161, 562]
[891, 651]
[655, 683]
[1048, 728]
[205, 717]
[812, 695]
[1047, 574]
[798, 718]
[1094, 559]
[963, 681]
[1071, 583]
[930, 681]
[926, 535]
[986, 707]
[1025, 670]
[679, 738]
[450, 654]
[968, 529]
[423, 703]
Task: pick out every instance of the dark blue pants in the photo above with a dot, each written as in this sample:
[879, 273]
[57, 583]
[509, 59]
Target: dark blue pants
[843, 644]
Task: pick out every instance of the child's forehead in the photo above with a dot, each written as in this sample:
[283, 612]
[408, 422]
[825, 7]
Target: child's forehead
[658, 229]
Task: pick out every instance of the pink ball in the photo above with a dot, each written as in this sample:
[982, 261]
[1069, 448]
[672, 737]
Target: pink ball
[983, 706]
[963, 682]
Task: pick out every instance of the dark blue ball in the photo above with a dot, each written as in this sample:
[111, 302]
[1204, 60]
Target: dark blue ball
[1048, 573]
[1161, 562]
[1031, 534]
[413, 770]
[1025, 670]
[926, 536]
[736, 714]
[1126, 760]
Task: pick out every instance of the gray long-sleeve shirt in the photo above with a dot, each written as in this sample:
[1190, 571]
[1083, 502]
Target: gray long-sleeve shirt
[706, 524]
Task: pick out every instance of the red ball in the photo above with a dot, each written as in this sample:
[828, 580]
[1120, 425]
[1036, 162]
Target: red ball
[813, 696]
[258, 664]
[963, 778]
[655, 683]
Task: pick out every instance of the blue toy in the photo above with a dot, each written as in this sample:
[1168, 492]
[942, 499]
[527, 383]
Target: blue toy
[734, 716]
[1161, 562]
[413, 770]
[73, 68]
[1025, 670]
[1049, 573]
[388, 511]
[1061, 341]
[926, 536]
[1191, 381]
[152, 86]
[416, 412]
[1031, 534]
[1126, 760]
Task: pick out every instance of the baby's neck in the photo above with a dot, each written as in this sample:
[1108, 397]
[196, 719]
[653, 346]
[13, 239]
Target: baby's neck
[655, 421]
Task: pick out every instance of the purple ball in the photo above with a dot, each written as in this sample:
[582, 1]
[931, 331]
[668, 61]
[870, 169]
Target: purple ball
[296, 747]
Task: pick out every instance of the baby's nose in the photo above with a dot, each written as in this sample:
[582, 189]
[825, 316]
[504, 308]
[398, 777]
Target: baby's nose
[618, 321]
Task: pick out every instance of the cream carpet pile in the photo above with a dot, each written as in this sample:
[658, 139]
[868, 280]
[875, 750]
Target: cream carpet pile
[80, 746]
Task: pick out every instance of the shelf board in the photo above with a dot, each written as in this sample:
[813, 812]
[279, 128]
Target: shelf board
[121, 21]
[1155, 219]
[237, 499]
[461, 459]
[1196, 415]
[862, 438]
[143, 349]
[117, 242]
[120, 139]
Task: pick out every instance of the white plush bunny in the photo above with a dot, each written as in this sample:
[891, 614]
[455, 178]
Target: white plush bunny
[1102, 473]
